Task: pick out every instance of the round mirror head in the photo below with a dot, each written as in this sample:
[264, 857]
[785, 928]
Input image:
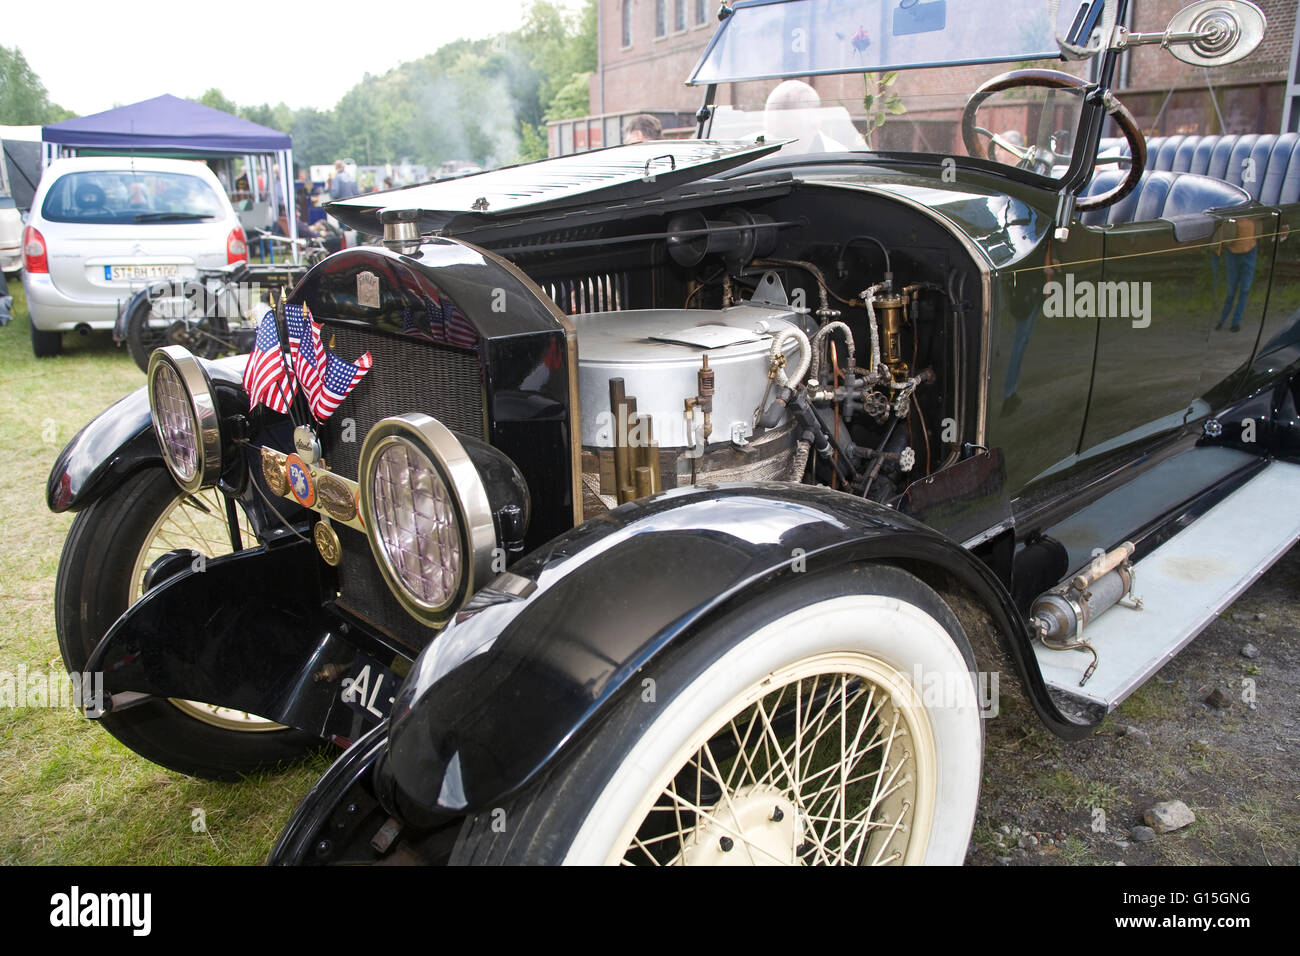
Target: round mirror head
[1230, 31]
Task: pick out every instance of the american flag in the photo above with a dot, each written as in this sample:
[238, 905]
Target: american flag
[266, 377]
[455, 327]
[340, 378]
[308, 350]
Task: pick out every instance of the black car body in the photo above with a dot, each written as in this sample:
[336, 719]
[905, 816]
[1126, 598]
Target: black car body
[1009, 402]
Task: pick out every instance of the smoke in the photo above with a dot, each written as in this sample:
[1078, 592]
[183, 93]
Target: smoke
[468, 116]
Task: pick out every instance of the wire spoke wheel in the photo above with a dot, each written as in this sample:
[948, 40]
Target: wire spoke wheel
[823, 764]
[197, 523]
[830, 721]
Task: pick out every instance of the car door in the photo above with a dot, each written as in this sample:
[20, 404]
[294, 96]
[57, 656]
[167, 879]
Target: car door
[1175, 283]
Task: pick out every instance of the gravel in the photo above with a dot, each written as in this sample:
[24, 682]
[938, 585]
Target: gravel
[1236, 769]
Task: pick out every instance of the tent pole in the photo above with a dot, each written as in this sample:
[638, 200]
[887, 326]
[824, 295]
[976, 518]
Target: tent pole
[290, 200]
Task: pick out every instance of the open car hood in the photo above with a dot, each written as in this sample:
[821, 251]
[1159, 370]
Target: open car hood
[610, 174]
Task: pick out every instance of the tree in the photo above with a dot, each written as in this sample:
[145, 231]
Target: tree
[481, 101]
[572, 99]
[23, 99]
[217, 101]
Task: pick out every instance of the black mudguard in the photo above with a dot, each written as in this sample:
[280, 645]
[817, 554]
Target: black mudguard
[116, 443]
[123, 314]
[250, 631]
[495, 698]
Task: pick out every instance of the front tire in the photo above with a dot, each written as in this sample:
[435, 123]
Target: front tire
[832, 722]
[111, 545]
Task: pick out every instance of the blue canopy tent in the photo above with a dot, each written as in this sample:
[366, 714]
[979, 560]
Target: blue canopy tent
[170, 126]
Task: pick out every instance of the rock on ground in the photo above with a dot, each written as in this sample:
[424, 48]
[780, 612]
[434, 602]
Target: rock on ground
[1168, 816]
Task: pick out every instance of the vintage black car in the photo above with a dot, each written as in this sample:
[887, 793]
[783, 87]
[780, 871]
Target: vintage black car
[687, 501]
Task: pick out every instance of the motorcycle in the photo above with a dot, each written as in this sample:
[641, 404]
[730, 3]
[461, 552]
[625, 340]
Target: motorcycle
[218, 312]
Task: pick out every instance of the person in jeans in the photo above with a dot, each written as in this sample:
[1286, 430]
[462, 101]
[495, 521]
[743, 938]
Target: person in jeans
[1239, 267]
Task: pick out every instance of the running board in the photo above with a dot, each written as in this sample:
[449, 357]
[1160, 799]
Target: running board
[1183, 585]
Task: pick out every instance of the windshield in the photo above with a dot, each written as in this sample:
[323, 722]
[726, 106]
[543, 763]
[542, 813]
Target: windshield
[770, 39]
[914, 111]
[130, 196]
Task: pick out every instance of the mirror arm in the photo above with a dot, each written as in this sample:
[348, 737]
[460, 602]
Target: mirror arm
[1125, 39]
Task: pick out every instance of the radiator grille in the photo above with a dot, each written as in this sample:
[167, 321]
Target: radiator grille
[435, 379]
[408, 375]
[605, 292]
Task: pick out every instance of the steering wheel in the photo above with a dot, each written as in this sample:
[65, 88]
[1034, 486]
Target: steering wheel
[1041, 160]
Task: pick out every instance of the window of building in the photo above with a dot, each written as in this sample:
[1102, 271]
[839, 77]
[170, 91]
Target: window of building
[679, 14]
[661, 18]
[701, 11]
[627, 22]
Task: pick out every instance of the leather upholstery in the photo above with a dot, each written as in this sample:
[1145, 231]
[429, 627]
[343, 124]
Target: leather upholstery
[1161, 194]
[1272, 175]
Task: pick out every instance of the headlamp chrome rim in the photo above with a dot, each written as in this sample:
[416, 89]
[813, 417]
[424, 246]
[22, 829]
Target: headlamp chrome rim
[205, 417]
[476, 529]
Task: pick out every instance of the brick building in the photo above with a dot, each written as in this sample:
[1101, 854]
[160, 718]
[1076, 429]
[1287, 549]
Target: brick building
[647, 48]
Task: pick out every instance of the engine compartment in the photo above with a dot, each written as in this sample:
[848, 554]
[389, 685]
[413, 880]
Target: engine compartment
[813, 336]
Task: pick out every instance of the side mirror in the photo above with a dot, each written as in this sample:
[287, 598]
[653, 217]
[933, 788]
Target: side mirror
[1205, 33]
[1228, 31]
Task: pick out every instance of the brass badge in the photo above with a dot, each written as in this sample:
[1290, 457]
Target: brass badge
[335, 497]
[327, 543]
[273, 472]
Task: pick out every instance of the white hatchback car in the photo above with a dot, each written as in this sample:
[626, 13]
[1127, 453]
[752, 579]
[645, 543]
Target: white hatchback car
[102, 228]
[11, 230]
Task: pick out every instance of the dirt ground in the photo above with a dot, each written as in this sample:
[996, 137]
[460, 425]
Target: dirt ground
[1046, 801]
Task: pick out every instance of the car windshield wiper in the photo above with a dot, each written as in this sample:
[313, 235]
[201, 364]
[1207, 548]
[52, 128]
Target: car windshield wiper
[170, 216]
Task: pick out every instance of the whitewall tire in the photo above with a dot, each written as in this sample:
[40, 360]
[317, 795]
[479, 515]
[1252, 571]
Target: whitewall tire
[834, 722]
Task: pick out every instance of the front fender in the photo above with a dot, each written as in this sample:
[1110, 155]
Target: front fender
[116, 443]
[494, 699]
[124, 313]
[247, 630]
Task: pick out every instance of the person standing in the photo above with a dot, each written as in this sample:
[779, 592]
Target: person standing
[343, 186]
[641, 128]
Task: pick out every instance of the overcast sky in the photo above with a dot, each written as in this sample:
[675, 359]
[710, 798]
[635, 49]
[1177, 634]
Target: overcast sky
[91, 56]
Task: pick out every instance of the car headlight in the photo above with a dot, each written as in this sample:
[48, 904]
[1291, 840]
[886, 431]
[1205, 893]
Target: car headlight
[426, 513]
[185, 417]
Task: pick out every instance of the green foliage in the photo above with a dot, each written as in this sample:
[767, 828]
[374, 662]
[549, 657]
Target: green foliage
[532, 144]
[23, 98]
[481, 101]
[215, 99]
[572, 99]
[880, 101]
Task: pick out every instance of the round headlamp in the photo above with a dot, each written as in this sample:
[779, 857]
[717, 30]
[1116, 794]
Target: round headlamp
[185, 417]
[426, 513]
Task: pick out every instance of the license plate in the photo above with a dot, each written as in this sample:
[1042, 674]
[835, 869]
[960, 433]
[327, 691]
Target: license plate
[133, 273]
[370, 689]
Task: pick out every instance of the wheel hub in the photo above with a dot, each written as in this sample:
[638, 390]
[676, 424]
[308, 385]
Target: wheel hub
[755, 826]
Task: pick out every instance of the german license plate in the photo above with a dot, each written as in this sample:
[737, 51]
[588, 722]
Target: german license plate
[370, 689]
[134, 273]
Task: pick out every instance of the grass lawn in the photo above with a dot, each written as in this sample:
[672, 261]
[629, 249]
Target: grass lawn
[69, 792]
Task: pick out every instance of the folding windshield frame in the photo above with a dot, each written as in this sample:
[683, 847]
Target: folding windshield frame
[1083, 22]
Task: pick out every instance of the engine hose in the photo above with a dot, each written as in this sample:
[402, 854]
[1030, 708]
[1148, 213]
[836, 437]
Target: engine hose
[805, 357]
[868, 295]
[799, 463]
[820, 337]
